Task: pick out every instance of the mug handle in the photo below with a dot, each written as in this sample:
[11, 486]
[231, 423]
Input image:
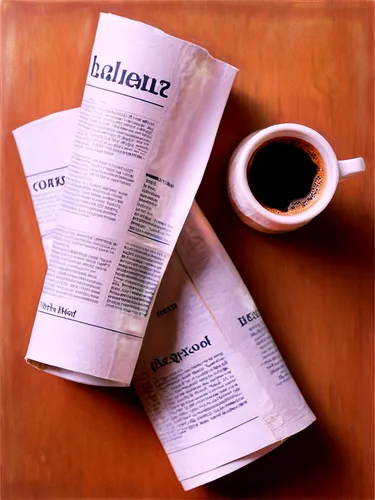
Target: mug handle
[350, 167]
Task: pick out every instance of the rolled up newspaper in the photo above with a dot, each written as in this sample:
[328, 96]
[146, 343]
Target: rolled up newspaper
[209, 375]
[150, 112]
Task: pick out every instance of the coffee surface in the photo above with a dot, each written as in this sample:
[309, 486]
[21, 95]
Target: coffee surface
[286, 175]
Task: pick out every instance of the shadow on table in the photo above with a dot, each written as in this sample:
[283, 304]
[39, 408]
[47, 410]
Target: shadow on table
[122, 399]
[303, 456]
[241, 117]
[339, 236]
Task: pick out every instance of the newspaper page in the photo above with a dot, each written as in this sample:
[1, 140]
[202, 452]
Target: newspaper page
[209, 376]
[151, 108]
[45, 147]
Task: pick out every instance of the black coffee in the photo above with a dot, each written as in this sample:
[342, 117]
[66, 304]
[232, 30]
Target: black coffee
[286, 175]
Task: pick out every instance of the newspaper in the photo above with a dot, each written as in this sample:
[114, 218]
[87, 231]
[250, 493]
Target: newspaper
[150, 111]
[45, 147]
[209, 375]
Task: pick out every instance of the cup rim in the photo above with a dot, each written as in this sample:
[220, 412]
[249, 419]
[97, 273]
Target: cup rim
[255, 140]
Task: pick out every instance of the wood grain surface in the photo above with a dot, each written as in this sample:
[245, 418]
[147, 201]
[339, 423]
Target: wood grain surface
[306, 62]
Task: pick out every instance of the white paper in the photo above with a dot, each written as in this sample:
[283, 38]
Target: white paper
[203, 317]
[150, 112]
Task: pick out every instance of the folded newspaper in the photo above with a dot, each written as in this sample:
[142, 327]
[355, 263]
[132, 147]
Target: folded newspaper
[150, 112]
[209, 375]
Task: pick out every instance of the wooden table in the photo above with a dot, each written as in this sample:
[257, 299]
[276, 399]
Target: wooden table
[307, 62]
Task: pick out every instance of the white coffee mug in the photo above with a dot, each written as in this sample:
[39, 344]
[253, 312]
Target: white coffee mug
[257, 216]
